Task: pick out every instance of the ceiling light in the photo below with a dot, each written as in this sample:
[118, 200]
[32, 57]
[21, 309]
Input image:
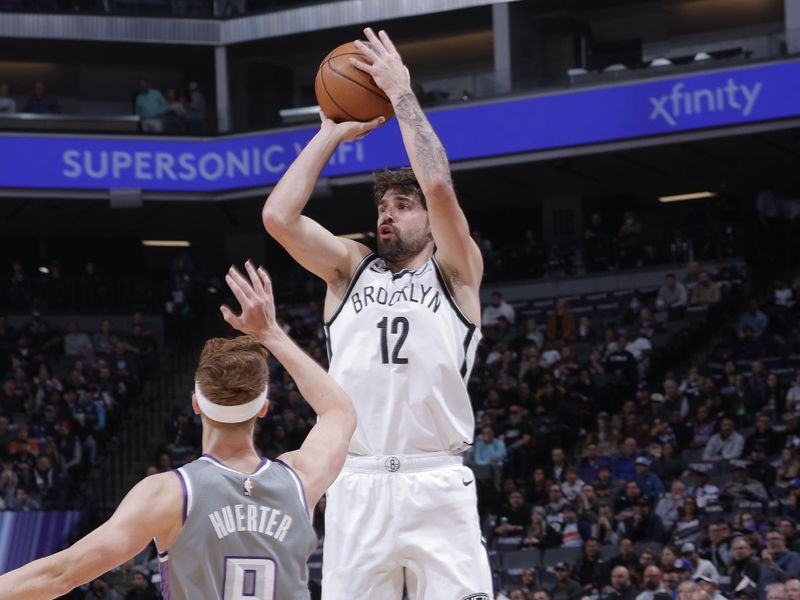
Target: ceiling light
[691, 196]
[44, 270]
[166, 243]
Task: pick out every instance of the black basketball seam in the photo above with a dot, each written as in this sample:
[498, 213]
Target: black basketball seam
[380, 95]
[330, 97]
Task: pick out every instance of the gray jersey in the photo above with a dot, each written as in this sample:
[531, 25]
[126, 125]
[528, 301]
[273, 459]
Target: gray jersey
[243, 536]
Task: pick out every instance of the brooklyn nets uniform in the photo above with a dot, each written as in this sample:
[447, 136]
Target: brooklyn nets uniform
[404, 505]
[243, 537]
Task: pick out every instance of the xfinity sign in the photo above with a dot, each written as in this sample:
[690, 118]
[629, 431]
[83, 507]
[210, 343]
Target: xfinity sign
[686, 102]
[569, 118]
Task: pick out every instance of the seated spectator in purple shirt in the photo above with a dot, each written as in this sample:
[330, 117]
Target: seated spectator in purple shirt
[590, 464]
[623, 467]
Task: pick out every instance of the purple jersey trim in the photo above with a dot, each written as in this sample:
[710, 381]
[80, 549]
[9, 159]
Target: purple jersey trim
[302, 487]
[185, 494]
[261, 463]
[225, 573]
[163, 569]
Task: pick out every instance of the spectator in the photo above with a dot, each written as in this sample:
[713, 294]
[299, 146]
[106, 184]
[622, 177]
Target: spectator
[744, 571]
[497, 306]
[793, 396]
[7, 104]
[175, 117]
[786, 526]
[673, 294]
[74, 340]
[561, 322]
[648, 481]
[541, 595]
[585, 331]
[763, 436]
[590, 569]
[629, 240]
[777, 562]
[572, 486]
[99, 590]
[775, 591]
[706, 291]
[643, 526]
[742, 487]
[668, 465]
[41, 102]
[513, 517]
[788, 468]
[623, 466]
[690, 522]
[668, 506]
[759, 469]
[621, 587]
[651, 583]
[558, 465]
[792, 588]
[196, 109]
[554, 509]
[23, 502]
[626, 558]
[718, 545]
[151, 107]
[702, 567]
[589, 467]
[539, 534]
[621, 362]
[141, 589]
[710, 586]
[726, 444]
[571, 530]
[753, 318]
[488, 449]
[565, 587]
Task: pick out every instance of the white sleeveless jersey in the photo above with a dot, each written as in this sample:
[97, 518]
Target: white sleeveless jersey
[402, 349]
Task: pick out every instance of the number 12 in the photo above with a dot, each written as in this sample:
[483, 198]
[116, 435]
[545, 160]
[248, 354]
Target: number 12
[398, 323]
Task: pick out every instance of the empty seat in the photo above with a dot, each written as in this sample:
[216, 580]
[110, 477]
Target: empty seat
[507, 543]
[695, 313]
[554, 556]
[522, 559]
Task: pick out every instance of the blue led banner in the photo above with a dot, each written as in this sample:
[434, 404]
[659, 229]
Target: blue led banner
[26, 536]
[570, 118]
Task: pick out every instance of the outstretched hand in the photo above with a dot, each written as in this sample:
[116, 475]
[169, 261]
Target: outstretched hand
[255, 298]
[386, 68]
[347, 131]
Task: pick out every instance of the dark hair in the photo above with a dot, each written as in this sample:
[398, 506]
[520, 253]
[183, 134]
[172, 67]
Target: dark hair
[402, 180]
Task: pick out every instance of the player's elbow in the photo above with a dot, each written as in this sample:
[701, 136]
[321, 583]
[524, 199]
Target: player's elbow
[274, 221]
[439, 187]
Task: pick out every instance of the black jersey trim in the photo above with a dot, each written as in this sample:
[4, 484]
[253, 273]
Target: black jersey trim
[467, 340]
[456, 308]
[356, 274]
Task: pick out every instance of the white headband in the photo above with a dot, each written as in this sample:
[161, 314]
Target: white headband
[229, 414]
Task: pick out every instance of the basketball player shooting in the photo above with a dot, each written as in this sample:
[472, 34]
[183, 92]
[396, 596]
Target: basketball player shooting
[402, 332]
[231, 524]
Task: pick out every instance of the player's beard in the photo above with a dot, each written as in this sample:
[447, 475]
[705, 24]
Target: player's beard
[397, 249]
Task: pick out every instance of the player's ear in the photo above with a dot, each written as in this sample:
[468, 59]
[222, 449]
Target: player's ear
[195, 406]
[263, 412]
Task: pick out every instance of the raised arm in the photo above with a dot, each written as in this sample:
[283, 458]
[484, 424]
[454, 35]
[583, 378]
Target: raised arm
[153, 508]
[314, 247]
[321, 457]
[455, 248]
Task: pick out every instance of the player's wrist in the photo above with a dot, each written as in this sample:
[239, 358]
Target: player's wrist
[271, 336]
[395, 95]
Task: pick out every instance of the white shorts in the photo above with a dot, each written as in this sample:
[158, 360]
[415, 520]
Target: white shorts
[412, 520]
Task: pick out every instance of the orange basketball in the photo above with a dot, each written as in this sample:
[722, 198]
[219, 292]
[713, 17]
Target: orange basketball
[346, 93]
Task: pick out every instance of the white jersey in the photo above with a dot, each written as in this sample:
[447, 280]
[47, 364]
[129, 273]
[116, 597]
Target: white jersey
[402, 349]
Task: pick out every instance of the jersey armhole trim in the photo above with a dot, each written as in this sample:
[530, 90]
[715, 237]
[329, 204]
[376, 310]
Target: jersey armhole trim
[301, 490]
[187, 492]
[353, 280]
[464, 319]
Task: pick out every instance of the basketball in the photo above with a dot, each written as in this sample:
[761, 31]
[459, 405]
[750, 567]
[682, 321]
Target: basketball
[346, 93]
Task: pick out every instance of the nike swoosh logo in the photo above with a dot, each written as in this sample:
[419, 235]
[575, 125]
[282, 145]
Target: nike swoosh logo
[466, 483]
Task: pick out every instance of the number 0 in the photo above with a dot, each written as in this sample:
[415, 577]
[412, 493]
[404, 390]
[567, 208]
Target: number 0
[249, 579]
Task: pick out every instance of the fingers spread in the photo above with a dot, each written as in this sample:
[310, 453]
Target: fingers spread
[246, 292]
[358, 64]
[228, 315]
[387, 42]
[377, 44]
[265, 279]
[254, 278]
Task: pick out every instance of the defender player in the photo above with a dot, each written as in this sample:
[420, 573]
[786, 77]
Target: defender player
[402, 331]
[229, 525]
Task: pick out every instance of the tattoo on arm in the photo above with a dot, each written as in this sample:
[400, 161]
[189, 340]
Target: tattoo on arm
[427, 147]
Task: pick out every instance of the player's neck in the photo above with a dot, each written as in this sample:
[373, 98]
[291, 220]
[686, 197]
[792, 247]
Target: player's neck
[412, 263]
[234, 451]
